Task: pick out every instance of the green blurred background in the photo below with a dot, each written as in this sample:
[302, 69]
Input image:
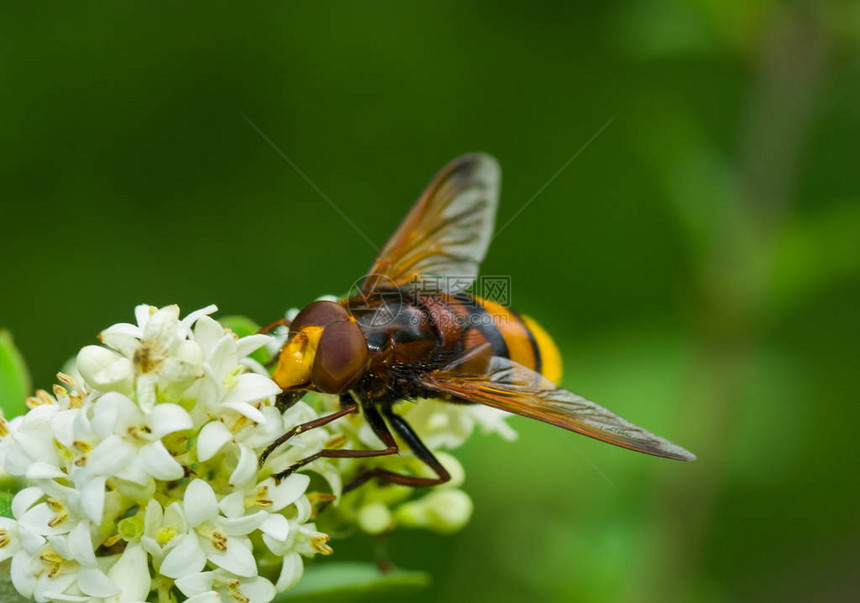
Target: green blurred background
[698, 262]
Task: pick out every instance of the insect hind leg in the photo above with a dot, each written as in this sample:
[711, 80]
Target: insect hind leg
[405, 431]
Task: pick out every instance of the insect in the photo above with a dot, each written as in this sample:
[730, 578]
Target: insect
[411, 331]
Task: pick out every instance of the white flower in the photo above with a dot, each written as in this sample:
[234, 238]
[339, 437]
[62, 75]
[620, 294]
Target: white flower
[218, 586]
[150, 461]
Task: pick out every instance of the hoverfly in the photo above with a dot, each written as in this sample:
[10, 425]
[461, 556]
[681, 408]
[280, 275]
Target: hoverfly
[402, 336]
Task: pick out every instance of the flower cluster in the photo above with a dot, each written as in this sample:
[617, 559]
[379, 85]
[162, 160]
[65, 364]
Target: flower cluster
[142, 473]
[376, 508]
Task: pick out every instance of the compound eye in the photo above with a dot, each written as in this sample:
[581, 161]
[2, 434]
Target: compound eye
[318, 314]
[341, 358]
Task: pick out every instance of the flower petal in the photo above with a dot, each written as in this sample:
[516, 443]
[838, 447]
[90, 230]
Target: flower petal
[200, 503]
[131, 573]
[81, 545]
[93, 498]
[142, 312]
[244, 524]
[95, 582]
[25, 499]
[42, 470]
[245, 409]
[210, 596]
[287, 492]
[159, 463]
[110, 456]
[257, 590]
[211, 439]
[250, 343]
[185, 558]
[104, 369]
[162, 327]
[122, 337]
[251, 387]
[233, 505]
[196, 584]
[236, 559]
[246, 468]
[291, 572]
[168, 418]
[196, 315]
[276, 526]
[207, 332]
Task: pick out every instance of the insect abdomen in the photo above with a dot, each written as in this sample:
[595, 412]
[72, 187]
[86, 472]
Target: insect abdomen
[514, 335]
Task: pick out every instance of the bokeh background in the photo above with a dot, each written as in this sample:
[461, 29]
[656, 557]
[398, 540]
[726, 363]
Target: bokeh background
[698, 260]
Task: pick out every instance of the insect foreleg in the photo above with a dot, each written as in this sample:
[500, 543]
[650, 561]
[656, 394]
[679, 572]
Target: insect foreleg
[376, 422]
[347, 408]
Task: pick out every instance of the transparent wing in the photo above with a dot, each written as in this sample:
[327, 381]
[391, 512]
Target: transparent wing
[447, 232]
[516, 389]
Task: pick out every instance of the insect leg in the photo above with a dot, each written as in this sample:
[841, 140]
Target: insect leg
[345, 410]
[376, 422]
[405, 431]
[274, 325]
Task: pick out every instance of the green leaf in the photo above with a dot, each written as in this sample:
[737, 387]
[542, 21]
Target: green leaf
[240, 325]
[14, 378]
[346, 581]
[6, 497]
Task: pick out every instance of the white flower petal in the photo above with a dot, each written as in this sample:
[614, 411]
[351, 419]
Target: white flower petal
[251, 387]
[211, 439]
[161, 329]
[111, 456]
[25, 499]
[158, 462]
[104, 369]
[122, 337]
[233, 505]
[223, 358]
[54, 589]
[246, 468]
[174, 516]
[197, 315]
[185, 558]
[41, 470]
[207, 332]
[93, 499]
[257, 590]
[142, 312]
[131, 574]
[245, 409]
[244, 524]
[195, 584]
[205, 597]
[81, 545]
[23, 573]
[135, 477]
[276, 526]
[184, 363]
[291, 572]
[40, 519]
[63, 427]
[237, 559]
[288, 491]
[168, 418]
[200, 503]
[250, 343]
[95, 582]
